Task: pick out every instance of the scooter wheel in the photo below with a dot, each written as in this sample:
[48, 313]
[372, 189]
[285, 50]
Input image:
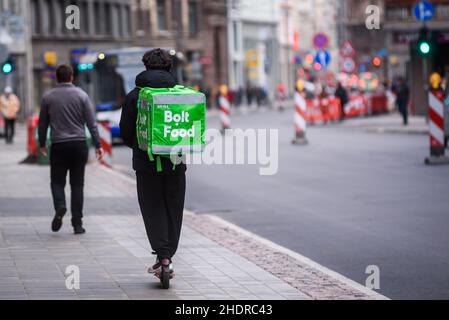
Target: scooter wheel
[165, 277]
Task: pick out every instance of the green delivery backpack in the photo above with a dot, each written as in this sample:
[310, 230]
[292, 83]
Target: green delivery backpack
[171, 121]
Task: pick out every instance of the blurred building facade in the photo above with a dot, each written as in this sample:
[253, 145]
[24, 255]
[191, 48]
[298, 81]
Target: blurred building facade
[254, 44]
[197, 29]
[15, 36]
[313, 17]
[269, 39]
[104, 24]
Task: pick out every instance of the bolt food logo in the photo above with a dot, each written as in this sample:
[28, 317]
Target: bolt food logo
[172, 121]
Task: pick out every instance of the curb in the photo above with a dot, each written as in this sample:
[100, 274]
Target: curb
[302, 260]
[298, 257]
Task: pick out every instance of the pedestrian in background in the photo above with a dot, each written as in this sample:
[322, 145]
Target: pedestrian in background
[342, 95]
[249, 95]
[67, 109]
[9, 106]
[402, 98]
[161, 195]
[280, 96]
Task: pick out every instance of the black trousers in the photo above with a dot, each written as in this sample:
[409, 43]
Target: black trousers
[69, 157]
[9, 130]
[403, 110]
[161, 200]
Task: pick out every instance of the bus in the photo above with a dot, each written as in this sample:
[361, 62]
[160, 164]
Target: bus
[107, 77]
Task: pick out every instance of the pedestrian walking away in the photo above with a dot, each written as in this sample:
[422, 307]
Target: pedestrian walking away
[161, 193]
[402, 98]
[67, 109]
[342, 94]
[9, 107]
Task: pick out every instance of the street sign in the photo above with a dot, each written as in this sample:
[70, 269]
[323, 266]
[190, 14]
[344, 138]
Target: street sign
[348, 65]
[424, 11]
[323, 57]
[347, 50]
[320, 40]
[4, 53]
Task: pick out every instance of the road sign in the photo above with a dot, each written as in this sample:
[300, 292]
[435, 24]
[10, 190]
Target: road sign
[348, 65]
[347, 50]
[424, 11]
[320, 40]
[4, 53]
[323, 57]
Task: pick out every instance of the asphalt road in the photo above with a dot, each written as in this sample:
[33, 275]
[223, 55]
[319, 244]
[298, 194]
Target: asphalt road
[348, 200]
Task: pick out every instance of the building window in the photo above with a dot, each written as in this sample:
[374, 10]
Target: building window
[108, 20]
[193, 18]
[161, 15]
[97, 18]
[128, 20]
[36, 17]
[142, 17]
[236, 37]
[84, 12]
[51, 17]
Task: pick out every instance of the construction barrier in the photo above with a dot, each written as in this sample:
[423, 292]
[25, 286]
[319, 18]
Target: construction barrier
[225, 112]
[300, 119]
[323, 110]
[104, 129]
[436, 128]
[357, 106]
[377, 103]
[32, 145]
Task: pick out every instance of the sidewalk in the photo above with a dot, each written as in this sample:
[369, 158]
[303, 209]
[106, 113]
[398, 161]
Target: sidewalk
[216, 260]
[389, 123]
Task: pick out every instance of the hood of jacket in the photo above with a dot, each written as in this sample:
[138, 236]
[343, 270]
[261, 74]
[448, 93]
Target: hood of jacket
[156, 79]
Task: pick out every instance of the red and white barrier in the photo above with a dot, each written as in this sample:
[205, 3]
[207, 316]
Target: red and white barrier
[32, 147]
[436, 128]
[357, 106]
[436, 117]
[225, 112]
[377, 103]
[104, 129]
[300, 119]
[323, 110]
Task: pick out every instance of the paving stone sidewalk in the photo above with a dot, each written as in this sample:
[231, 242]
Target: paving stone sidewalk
[114, 254]
[216, 260]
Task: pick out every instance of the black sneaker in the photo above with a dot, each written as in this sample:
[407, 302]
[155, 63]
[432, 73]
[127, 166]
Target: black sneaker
[79, 230]
[57, 220]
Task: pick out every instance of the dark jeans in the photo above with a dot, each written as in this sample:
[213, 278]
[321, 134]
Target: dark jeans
[161, 199]
[69, 157]
[9, 130]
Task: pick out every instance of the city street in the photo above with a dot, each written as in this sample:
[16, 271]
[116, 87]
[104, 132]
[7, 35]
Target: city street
[315, 134]
[352, 198]
[215, 261]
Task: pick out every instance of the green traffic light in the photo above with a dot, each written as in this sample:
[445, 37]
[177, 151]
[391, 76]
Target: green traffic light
[7, 68]
[424, 47]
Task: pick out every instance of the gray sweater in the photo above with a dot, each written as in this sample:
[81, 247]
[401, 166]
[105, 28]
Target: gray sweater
[67, 109]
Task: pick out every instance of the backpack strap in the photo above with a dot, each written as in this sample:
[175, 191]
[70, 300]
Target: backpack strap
[158, 164]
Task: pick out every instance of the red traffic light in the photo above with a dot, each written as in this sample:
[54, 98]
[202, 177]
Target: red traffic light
[377, 62]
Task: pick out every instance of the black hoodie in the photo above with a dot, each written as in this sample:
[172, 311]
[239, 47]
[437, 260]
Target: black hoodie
[141, 161]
